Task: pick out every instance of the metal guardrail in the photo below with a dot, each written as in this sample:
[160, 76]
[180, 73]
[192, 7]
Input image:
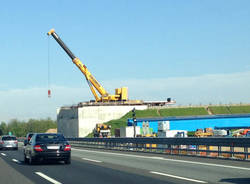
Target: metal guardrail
[237, 148]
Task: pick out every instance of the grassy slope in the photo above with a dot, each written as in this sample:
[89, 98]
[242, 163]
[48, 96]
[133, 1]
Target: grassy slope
[192, 111]
[230, 109]
[219, 110]
[239, 109]
[189, 111]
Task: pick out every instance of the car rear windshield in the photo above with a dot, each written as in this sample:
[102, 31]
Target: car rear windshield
[50, 138]
[8, 138]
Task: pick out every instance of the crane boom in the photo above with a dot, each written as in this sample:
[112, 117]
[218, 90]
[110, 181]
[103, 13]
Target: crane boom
[121, 93]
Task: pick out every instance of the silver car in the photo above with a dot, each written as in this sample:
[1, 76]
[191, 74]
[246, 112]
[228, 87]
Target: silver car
[8, 142]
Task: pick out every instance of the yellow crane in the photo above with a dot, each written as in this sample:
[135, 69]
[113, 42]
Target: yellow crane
[121, 94]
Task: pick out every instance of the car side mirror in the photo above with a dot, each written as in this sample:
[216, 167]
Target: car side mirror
[25, 142]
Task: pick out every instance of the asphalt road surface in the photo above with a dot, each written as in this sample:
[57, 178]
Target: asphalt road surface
[100, 166]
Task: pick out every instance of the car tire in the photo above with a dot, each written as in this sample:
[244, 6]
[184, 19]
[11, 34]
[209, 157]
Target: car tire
[25, 159]
[68, 161]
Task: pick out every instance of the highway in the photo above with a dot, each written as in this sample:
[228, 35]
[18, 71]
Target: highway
[100, 166]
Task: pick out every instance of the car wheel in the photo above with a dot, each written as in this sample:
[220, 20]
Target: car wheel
[25, 159]
[68, 161]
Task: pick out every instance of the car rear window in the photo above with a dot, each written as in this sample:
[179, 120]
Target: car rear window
[8, 138]
[49, 138]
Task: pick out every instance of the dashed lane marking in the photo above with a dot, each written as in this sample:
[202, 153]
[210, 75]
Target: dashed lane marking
[178, 177]
[48, 178]
[17, 161]
[3, 154]
[91, 160]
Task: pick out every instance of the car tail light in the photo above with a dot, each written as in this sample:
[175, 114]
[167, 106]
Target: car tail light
[1, 142]
[38, 148]
[67, 148]
[16, 141]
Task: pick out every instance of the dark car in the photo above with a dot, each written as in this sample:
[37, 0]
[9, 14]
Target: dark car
[8, 142]
[47, 146]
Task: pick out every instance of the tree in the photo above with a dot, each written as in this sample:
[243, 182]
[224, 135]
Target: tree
[3, 128]
[21, 128]
[17, 128]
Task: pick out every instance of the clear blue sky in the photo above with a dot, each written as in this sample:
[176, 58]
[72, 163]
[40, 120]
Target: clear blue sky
[159, 49]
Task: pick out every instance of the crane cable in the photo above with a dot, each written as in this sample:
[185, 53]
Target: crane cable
[49, 92]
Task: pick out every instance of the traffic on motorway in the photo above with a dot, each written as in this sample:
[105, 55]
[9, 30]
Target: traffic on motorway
[106, 166]
[8, 142]
[47, 146]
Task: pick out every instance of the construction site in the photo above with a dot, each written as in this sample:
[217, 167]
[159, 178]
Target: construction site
[80, 120]
[88, 118]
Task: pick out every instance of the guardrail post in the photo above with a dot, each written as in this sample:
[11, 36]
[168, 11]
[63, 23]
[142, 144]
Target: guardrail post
[232, 151]
[197, 149]
[100, 145]
[171, 149]
[245, 153]
[109, 145]
[207, 150]
[120, 146]
[219, 151]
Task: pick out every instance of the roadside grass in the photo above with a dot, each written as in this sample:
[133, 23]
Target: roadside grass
[190, 111]
[219, 109]
[148, 113]
[239, 109]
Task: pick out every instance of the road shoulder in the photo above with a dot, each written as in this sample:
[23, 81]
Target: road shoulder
[10, 176]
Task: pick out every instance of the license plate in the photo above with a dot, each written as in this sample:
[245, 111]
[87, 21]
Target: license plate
[52, 147]
[8, 146]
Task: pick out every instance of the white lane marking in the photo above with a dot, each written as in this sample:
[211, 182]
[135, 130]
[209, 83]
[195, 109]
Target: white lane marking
[17, 161]
[92, 160]
[178, 177]
[3, 154]
[168, 159]
[48, 178]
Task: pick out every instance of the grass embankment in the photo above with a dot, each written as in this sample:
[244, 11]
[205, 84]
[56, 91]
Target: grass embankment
[241, 109]
[188, 111]
[219, 109]
[191, 111]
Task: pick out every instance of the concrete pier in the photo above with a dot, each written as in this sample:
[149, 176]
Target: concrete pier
[80, 121]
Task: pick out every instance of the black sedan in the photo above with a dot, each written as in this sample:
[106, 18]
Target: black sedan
[47, 146]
